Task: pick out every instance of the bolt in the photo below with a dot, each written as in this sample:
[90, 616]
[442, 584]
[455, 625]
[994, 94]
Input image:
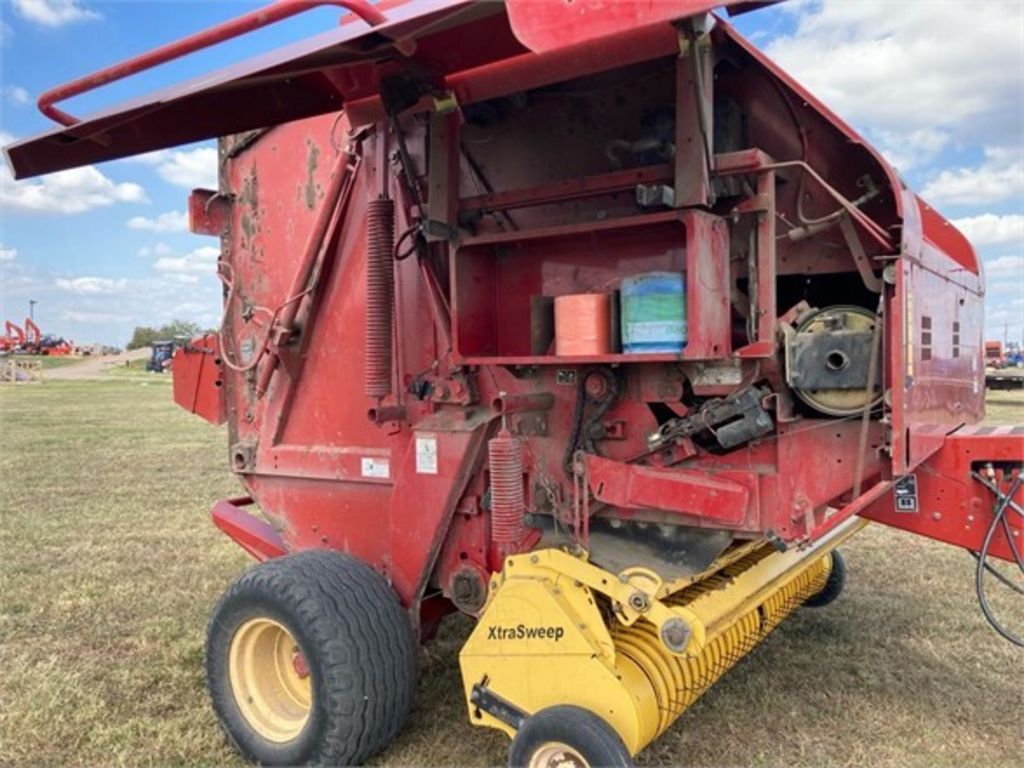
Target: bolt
[638, 602]
[675, 634]
[596, 385]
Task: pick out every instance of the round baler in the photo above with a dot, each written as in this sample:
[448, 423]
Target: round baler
[401, 202]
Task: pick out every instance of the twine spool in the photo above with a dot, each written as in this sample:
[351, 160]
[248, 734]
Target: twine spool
[583, 324]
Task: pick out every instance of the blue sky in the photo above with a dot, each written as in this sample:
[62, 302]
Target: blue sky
[936, 85]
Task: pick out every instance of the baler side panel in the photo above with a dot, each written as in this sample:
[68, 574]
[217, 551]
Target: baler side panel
[934, 339]
[309, 453]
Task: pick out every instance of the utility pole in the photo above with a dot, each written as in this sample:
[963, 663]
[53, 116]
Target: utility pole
[32, 309]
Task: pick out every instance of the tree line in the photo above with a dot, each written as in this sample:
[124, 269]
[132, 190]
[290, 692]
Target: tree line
[144, 335]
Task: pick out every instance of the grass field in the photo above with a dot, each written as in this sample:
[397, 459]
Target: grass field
[110, 567]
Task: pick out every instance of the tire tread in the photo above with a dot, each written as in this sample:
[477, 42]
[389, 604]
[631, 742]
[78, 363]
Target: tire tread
[349, 613]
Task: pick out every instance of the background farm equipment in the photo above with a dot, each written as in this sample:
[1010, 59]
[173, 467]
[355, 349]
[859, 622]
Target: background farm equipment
[595, 326]
[36, 343]
[994, 355]
[161, 356]
[13, 338]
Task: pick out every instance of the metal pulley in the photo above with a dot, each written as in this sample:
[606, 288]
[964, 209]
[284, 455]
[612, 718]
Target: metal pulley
[828, 359]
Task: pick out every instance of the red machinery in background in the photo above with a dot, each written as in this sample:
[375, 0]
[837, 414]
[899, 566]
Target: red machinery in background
[33, 337]
[995, 357]
[13, 337]
[35, 343]
[402, 203]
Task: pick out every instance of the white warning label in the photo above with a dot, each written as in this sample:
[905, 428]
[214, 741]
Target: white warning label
[426, 454]
[376, 467]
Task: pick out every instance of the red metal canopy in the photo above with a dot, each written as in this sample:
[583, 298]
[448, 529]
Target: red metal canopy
[321, 73]
[311, 77]
[546, 26]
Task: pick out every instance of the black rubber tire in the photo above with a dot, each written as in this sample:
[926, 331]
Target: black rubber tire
[358, 644]
[575, 727]
[833, 585]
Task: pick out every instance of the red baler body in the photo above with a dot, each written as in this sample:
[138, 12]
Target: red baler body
[507, 138]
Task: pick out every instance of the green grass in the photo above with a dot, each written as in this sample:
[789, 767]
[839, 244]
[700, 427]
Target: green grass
[135, 370]
[110, 567]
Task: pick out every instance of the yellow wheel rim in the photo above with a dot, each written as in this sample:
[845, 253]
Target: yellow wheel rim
[555, 754]
[270, 680]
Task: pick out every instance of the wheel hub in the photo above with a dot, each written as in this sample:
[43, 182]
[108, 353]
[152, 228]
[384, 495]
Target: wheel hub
[270, 679]
[555, 754]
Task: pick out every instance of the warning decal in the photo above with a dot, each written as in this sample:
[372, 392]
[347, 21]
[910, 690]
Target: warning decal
[426, 454]
[376, 468]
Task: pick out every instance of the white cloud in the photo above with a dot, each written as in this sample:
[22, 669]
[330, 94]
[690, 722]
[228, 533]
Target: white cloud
[88, 318]
[16, 95]
[909, 150]
[172, 221]
[188, 168]
[160, 249]
[999, 177]
[90, 308]
[1006, 266]
[990, 229]
[201, 261]
[1004, 296]
[91, 286]
[54, 13]
[8, 254]
[912, 65]
[73, 191]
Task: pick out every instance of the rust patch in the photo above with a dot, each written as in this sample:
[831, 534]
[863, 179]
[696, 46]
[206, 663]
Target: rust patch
[249, 199]
[311, 163]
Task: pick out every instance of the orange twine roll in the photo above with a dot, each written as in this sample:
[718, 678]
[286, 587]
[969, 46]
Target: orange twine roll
[583, 324]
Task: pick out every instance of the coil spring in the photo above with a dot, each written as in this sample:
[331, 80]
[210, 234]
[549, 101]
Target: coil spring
[508, 505]
[678, 682]
[380, 227]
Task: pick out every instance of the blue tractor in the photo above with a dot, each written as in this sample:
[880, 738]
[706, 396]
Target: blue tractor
[160, 360]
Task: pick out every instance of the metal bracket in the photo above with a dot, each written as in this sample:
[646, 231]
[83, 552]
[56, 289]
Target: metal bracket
[445, 102]
[496, 707]
[634, 595]
[435, 230]
[651, 195]
[860, 257]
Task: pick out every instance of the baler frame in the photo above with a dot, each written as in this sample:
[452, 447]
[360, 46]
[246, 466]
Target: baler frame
[472, 465]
